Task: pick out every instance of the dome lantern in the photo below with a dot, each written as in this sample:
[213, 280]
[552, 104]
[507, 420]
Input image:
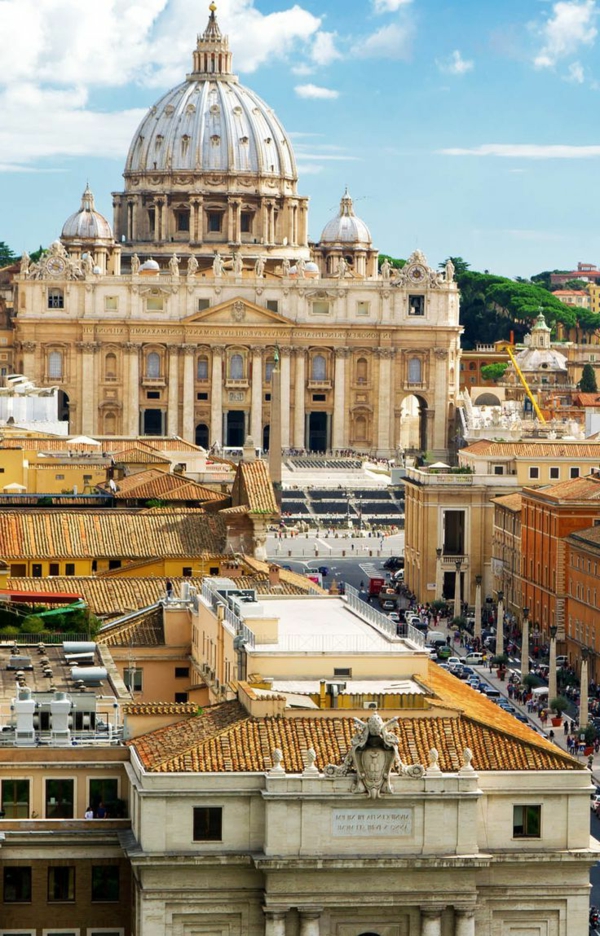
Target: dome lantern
[87, 224]
[211, 55]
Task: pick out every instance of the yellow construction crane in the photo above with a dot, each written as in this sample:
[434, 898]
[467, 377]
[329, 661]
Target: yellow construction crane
[521, 377]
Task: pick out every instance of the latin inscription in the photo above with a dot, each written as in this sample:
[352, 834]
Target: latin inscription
[363, 822]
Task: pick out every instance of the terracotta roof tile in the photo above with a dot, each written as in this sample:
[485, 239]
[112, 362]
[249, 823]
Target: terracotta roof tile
[226, 739]
[253, 487]
[146, 629]
[136, 455]
[527, 449]
[510, 501]
[154, 483]
[580, 489]
[113, 534]
[159, 708]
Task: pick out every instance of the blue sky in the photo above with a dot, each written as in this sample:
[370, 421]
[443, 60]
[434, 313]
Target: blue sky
[460, 128]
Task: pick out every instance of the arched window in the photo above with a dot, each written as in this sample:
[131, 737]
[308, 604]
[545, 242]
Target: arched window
[472, 365]
[414, 370]
[269, 365]
[236, 367]
[110, 366]
[202, 370]
[153, 365]
[319, 367]
[56, 299]
[55, 365]
[361, 428]
[361, 370]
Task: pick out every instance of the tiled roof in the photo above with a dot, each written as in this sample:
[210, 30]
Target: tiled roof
[252, 486]
[159, 708]
[510, 501]
[136, 455]
[146, 629]
[586, 399]
[114, 534]
[590, 536]
[226, 739]
[154, 483]
[285, 575]
[579, 489]
[240, 509]
[527, 449]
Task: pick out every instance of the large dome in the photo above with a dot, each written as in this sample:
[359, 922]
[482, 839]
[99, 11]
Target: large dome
[87, 224]
[346, 229]
[203, 125]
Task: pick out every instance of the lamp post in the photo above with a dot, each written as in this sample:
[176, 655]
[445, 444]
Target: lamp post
[457, 597]
[552, 693]
[439, 587]
[584, 682]
[500, 625]
[477, 628]
[525, 644]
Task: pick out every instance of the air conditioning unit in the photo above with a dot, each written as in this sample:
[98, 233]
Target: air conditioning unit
[205, 668]
[217, 685]
[371, 705]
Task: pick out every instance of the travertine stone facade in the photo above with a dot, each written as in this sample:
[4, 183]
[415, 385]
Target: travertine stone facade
[185, 343]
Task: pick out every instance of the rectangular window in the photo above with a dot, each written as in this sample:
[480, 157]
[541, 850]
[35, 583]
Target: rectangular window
[18, 570]
[54, 568]
[319, 397]
[203, 304]
[246, 222]
[69, 568]
[105, 883]
[36, 570]
[526, 821]
[214, 222]
[454, 533]
[183, 220]
[111, 303]
[202, 396]
[61, 883]
[153, 394]
[267, 397]
[59, 799]
[133, 679]
[181, 697]
[362, 308]
[320, 307]
[573, 472]
[342, 671]
[555, 474]
[17, 885]
[105, 791]
[498, 469]
[59, 477]
[416, 305]
[208, 822]
[182, 672]
[534, 474]
[155, 303]
[15, 799]
[273, 305]
[187, 571]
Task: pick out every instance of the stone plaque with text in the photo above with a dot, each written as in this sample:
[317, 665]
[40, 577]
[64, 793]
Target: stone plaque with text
[372, 822]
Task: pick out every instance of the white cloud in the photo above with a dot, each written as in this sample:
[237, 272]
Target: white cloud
[57, 52]
[455, 64]
[576, 73]
[324, 50]
[314, 91]
[527, 151]
[391, 41]
[389, 6]
[571, 26]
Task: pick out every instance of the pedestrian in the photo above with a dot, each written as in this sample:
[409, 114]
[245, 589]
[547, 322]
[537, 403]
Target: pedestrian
[551, 735]
[101, 811]
[566, 726]
[89, 813]
[169, 589]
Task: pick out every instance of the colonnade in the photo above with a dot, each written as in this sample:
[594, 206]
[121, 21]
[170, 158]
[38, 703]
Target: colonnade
[430, 916]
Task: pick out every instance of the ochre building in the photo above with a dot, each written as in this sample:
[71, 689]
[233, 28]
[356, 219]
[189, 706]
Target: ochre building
[170, 322]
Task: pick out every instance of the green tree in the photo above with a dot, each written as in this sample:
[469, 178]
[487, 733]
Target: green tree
[574, 284]
[588, 383]
[493, 371]
[460, 266]
[543, 278]
[35, 255]
[396, 262]
[7, 256]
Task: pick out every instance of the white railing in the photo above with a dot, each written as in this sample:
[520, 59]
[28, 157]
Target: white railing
[212, 598]
[381, 621]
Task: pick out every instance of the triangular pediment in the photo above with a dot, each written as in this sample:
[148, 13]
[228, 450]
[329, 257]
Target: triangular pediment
[237, 311]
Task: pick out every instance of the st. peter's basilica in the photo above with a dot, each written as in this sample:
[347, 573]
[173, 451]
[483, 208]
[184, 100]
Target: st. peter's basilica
[170, 322]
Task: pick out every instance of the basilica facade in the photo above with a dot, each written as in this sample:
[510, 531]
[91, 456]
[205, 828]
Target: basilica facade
[170, 321]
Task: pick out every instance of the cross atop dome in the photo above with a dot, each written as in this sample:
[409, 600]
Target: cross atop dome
[211, 55]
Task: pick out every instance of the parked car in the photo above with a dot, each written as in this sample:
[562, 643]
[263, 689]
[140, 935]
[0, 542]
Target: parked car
[324, 570]
[474, 659]
[443, 652]
[394, 616]
[595, 802]
[491, 692]
[393, 563]
[454, 661]
[562, 660]
[473, 682]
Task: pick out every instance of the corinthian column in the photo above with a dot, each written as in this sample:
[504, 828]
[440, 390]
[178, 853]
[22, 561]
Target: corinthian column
[299, 391]
[216, 396]
[339, 407]
[88, 383]
[188, 392]
[284, 366]
[132, 400]
[173, 400]
[256, 404]
[385, 400]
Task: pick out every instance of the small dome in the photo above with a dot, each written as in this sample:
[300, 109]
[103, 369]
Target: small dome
[150, 266]
[346, 229]
[311, 270]
[87, 224]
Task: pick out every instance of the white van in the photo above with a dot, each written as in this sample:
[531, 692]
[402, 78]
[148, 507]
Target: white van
[541, 692]
[434, 638]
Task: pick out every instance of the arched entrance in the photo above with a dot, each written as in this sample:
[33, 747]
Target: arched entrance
[152, 422]
[235, 428]
[63, 406]
[201, 436]
[487, 399]
[266, 438]
[413, 424]
[317, 432]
